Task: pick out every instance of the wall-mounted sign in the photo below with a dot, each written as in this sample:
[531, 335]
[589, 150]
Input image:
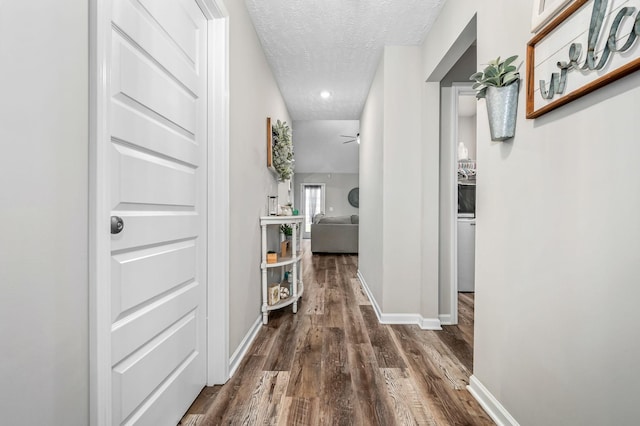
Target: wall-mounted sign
[270, 146]
[589, 45]
[544, 11]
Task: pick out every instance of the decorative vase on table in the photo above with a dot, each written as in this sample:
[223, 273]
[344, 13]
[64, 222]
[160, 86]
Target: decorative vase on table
[286, 210]
[502, 109]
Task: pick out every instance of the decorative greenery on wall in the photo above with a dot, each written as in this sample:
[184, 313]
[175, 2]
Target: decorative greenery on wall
[282, 150]
[499, 83]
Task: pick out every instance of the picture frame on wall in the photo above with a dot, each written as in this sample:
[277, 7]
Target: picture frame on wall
[270, 146]
[544, 11]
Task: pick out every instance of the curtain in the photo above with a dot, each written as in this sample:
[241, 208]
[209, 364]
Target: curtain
[312, 196]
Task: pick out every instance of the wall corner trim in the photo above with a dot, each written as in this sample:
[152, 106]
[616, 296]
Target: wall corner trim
[391, 318]
[239, 354]
[490, 404]
[445, 319]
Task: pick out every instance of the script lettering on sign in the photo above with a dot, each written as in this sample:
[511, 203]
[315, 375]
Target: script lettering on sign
[587, 47]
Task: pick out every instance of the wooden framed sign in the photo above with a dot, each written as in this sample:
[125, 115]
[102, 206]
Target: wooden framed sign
[544, 10]
[270, 146]
[589, 45]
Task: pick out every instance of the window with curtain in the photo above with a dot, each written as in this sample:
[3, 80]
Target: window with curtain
[313, 204]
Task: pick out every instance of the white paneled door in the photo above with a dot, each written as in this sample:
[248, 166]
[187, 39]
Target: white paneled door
[157, 183]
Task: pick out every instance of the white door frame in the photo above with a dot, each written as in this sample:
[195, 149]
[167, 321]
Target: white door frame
[457, 90]
[303, 201]
[217, 199]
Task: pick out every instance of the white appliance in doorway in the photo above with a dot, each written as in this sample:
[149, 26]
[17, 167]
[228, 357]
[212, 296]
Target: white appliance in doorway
[466, 253]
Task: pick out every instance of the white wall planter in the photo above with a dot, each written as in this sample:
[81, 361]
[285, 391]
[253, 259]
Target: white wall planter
[502, 108]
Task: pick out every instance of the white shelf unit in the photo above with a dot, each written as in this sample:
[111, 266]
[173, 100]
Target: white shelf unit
[279, 267]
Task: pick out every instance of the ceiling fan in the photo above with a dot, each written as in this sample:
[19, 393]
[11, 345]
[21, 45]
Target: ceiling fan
[355, 138]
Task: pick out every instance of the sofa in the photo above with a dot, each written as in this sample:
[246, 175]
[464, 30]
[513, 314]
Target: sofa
[337, 234]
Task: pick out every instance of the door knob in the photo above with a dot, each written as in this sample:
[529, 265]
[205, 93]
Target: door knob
[117, 224]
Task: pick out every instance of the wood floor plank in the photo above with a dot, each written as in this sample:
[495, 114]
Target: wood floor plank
[437, 383]
[360, 296]
[334, 307]
[465, 316]
[231, 397]
[455, 375]
[373, 405]
[386, 352]
[408, 407]
[265, 402]
[452, 337]
[281, 359]
[301, 412]
[191, 420]
[290, 338]
[264, 341]
[333, 363]
[313, 302]
[204, 399]
[337, 394]
[354, 325]
[306, 368]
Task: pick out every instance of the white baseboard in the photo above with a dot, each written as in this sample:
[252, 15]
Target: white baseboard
[241, 351]
[430, 323]
[445, 319]
[389, 318]
[490, 404]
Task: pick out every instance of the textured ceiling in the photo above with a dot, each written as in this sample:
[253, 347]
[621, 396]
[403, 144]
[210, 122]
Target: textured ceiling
[334, 45]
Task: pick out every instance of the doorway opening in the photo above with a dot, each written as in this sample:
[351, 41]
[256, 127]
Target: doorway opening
[455, 66]
[457, 186]
[463, 142]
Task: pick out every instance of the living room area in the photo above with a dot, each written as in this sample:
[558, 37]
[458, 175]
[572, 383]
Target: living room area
[325, 186]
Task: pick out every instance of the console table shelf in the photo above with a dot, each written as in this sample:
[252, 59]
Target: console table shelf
[273, 273]
[288, 260]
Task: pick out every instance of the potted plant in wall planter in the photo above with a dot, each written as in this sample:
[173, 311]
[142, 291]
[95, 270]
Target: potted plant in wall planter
[498, 83]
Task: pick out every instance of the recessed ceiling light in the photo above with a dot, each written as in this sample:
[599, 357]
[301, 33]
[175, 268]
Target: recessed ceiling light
[325, 94]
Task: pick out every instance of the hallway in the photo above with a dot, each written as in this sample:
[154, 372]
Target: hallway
[334, 363]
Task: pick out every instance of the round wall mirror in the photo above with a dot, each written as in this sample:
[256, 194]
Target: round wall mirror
[354, 197]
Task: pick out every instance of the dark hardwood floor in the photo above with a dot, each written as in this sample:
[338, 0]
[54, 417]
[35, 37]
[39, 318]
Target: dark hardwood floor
[333, 363]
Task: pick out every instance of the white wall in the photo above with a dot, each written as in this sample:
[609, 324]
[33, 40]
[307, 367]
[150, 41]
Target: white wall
[390, 251]
[43, 248]
[467, 134]
[254, 95]
[337, 189]
[558, 250]
[556, 261]
[402, 173]
[370, 233]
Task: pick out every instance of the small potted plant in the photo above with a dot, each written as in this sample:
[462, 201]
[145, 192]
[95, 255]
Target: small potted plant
[498, 83]
[287, 230]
